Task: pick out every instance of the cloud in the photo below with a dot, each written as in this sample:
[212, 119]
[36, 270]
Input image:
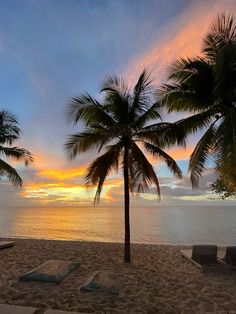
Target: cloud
[62, 174]
[181, 38]
[64, 187]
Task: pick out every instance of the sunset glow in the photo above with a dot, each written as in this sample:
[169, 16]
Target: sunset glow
[117, 156]
[45, 72]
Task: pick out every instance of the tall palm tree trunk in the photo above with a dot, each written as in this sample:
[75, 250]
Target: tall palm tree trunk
[126, 203]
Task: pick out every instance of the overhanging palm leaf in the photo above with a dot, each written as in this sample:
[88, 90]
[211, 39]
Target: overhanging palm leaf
[143, 173]
[101, 167]
[12, 175]
[20, 154]
[191, 87]
[170, 162]
[206, 87]
[200, 155]
[192, 124]
[225, 146]
[9, 132]
[163, 134]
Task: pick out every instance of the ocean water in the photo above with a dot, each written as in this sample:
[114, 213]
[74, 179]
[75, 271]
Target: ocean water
[166, 225]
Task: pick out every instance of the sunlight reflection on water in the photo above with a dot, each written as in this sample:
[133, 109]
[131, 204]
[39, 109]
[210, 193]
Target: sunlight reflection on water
[174, 225]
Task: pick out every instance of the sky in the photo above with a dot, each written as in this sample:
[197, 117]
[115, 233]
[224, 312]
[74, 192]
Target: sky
[52, 50]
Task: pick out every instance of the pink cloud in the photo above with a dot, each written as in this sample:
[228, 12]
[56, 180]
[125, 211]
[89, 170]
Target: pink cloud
[182, 37]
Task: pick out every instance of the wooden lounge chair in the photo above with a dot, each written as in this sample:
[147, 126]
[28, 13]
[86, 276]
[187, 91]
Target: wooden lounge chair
[61, 312]
[202, 255]
[6, 244]
[228, 256]
[101, 282]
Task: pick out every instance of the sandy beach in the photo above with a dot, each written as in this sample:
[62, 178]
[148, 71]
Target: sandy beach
[159, 279]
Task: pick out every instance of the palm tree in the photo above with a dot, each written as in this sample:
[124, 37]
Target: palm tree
[120, 126]
[205, 87]
[9, 132]
[218, 187]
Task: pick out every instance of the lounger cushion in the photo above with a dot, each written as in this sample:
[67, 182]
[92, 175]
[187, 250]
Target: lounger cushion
[51, 271]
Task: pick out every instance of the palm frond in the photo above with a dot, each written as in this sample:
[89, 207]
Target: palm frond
[17, 153]
[114, 83]
[118, 105]
[143, 174]
[83, 142]
[223, 31]
[150, 114]
[99, 169]
[117, 98]
[163, 134]
[224, 26]
[6, 117]
[181, 70]
[200, 155]
[91, 138]
[7, 138]
[210, 47]
[176, 98]
[9, 130]
[225, 73]
[9, 172]
[141, 94]
[192, 124]
[170, 162]
[192, 88]
[87, 109]
[225, 145]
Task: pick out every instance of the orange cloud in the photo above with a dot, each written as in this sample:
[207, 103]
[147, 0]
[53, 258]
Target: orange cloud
[66, 193]
[59, 174]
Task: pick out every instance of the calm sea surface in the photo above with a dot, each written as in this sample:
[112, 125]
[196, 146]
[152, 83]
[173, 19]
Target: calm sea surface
[174, 225]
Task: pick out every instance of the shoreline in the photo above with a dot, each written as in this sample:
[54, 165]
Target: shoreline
[183, 245]
[159, 279]
[2, 237]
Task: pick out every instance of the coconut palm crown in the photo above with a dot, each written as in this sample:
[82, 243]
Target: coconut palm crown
[120, 127]
[205, 88]
[9, 132]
